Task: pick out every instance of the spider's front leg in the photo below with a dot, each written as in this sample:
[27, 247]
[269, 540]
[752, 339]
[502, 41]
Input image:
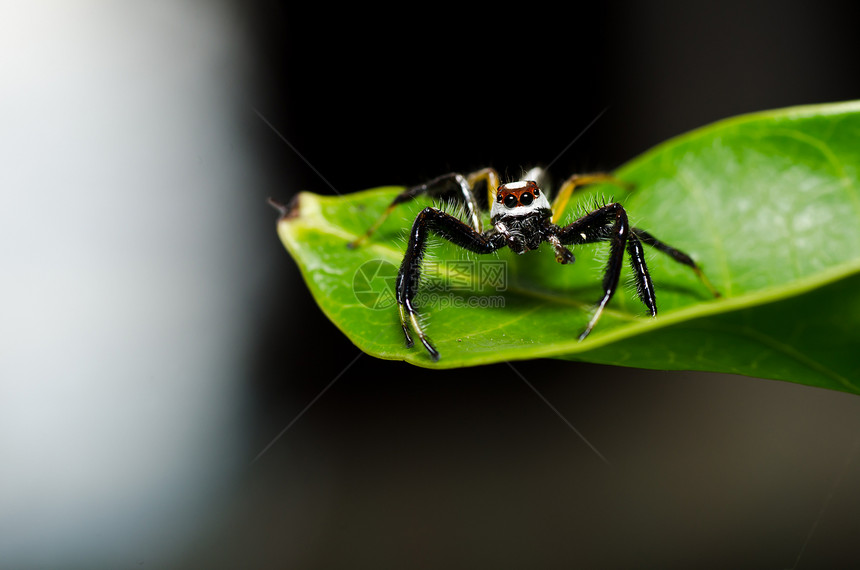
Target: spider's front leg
[453, 230]
[592, 228]
[610, 222]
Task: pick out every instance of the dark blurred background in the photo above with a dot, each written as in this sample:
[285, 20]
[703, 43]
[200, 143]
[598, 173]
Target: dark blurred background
[172, 397]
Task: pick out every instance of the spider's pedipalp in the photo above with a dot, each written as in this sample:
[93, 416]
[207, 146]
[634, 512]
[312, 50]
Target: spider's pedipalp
[562, 254]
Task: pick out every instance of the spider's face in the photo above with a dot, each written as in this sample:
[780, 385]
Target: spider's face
[518, 199]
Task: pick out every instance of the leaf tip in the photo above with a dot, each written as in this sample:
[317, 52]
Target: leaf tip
[287, 211]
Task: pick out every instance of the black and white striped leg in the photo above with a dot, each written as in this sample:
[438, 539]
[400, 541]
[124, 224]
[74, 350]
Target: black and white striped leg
[453, 230]
[610, 221]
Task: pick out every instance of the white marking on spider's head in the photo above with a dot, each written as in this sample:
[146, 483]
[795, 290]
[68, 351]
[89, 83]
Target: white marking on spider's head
[519, 185]
[518, 199]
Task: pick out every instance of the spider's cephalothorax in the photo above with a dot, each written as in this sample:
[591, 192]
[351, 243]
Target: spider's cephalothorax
[522, 219]
[520, 212]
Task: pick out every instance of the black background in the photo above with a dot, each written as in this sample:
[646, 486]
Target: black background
[396, 466]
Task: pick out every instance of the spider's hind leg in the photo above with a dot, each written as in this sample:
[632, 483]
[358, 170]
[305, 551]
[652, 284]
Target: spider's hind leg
[677, 255]
[462, 187]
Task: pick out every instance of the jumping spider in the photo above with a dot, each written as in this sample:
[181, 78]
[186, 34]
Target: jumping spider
[523, 218]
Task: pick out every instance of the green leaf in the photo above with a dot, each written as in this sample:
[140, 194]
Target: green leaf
[768, 204]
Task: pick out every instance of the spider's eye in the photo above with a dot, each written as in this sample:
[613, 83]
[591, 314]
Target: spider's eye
[537, 191]
[499, 197]
[526, 198]
[510, 201]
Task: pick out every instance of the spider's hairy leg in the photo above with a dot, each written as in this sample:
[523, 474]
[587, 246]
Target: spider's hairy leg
[644, 285]
[461, 186]
[453, 230]
[677, 255]
[593, 227]
[559, 203]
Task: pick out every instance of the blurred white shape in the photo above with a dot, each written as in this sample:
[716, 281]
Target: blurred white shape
[120, 295]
